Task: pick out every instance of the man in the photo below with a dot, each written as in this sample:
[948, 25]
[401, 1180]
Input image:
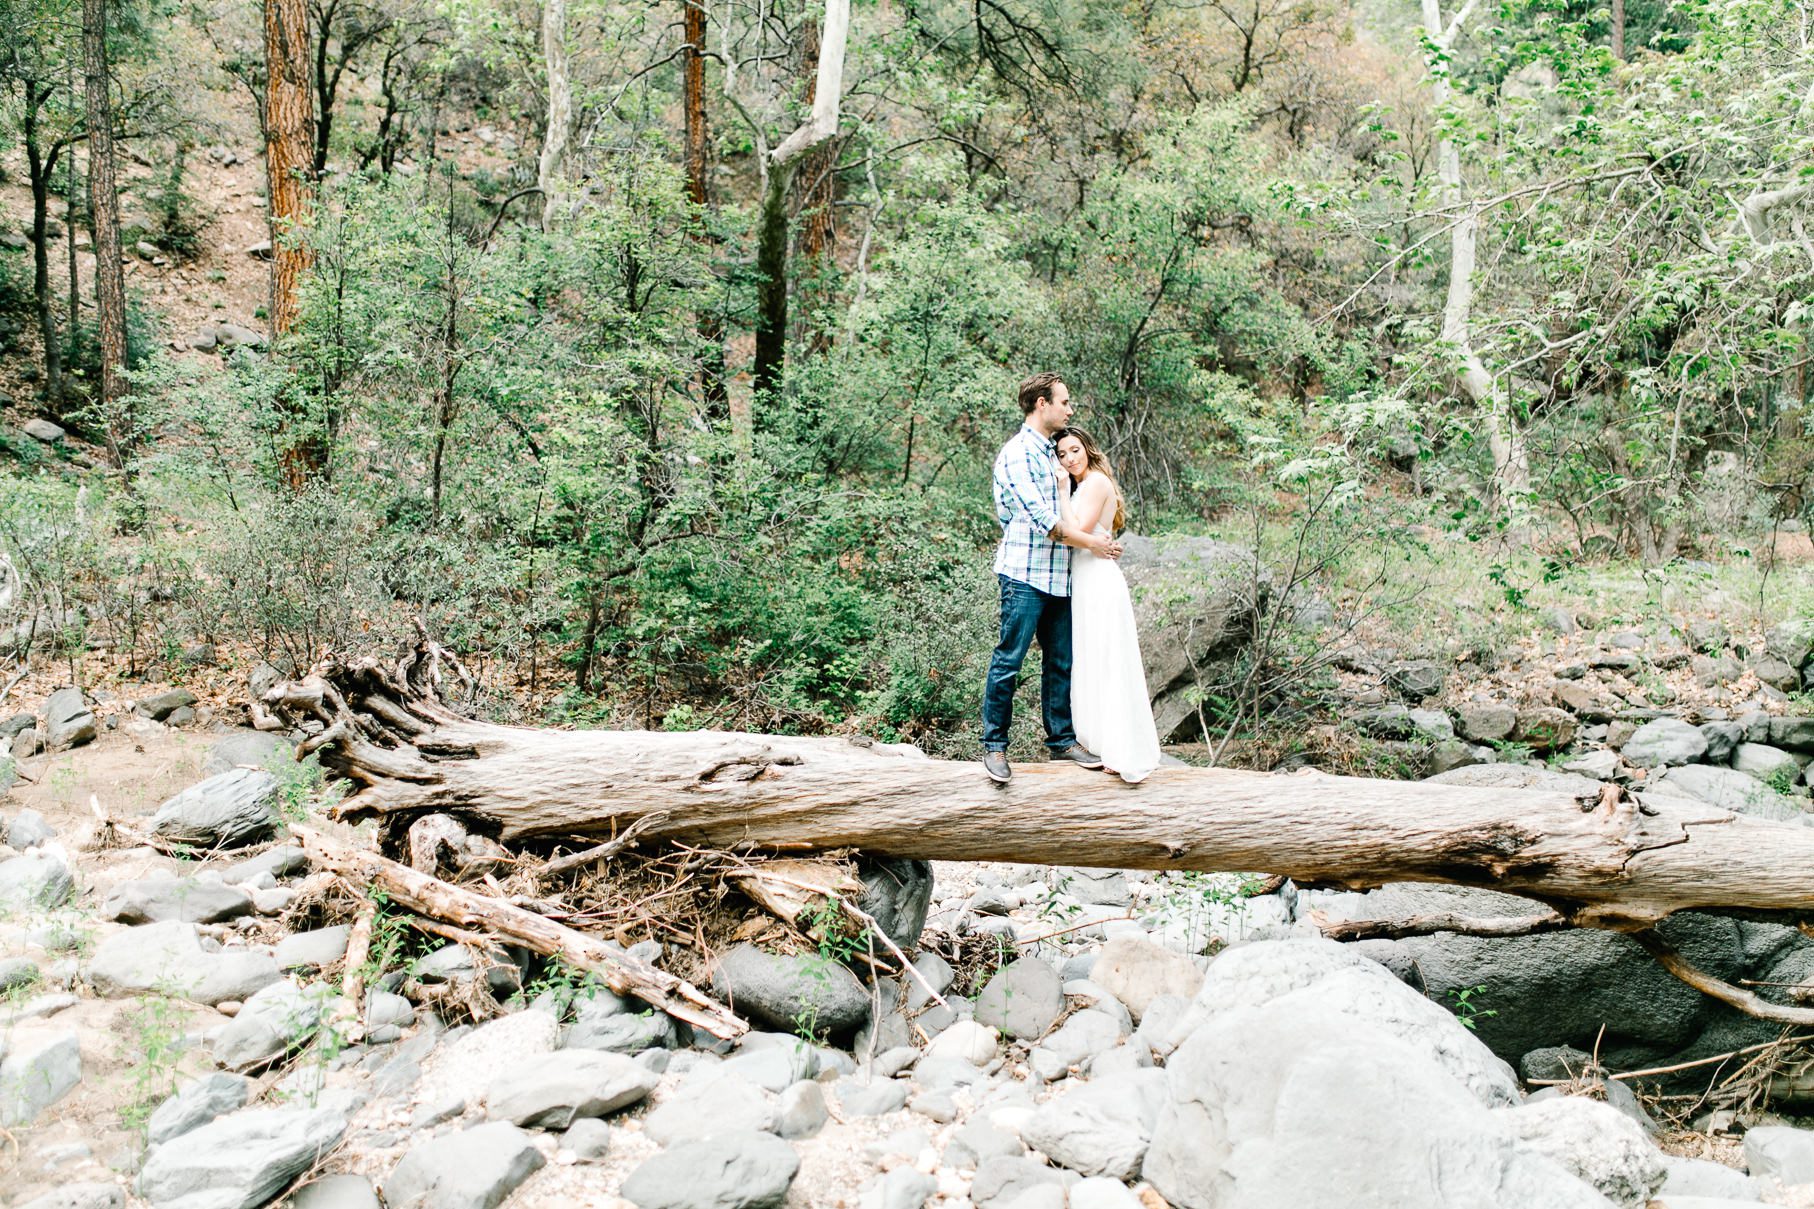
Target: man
[1033, 566]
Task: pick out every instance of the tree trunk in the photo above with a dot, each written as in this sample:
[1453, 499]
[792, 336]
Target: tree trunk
[815, 184]
[778, 170]
[560, 105]
[1505, 437]
[771, 283]
[699, 192]
[289, 165]
[39, 166]
[1608, 861]
[1618, 29]
[104, 211]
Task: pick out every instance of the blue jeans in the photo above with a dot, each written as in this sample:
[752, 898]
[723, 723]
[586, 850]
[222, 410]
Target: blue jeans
[1028, 613]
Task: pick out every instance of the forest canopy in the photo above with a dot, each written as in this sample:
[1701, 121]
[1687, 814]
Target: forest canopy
[654, 355]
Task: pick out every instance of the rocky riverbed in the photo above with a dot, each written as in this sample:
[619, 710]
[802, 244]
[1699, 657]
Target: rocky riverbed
[1132, 1039]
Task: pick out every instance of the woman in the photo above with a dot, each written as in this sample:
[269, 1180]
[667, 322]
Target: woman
[1109, 705]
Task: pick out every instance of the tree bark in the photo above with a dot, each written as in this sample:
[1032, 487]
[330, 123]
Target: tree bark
[1618, 29]
[104, 213]
[779, 167]
[1611, 861]
[560, 105]
[699, 191]
[40, 162]
[289, 174]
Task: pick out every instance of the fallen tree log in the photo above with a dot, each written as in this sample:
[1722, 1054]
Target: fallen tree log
[1610, 861]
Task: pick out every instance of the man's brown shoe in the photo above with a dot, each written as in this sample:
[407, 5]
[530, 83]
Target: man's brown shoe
[995, 763]
[1079, 755]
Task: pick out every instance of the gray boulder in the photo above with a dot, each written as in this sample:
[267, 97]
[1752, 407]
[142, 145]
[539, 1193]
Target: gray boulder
[588, 1138]
[1762, 761]
[198, 1102]
[35, 880]
[1663, 741]
[605, 1022]
[39, 1069]
[67, 720]
[336, 1192]
[1723, 738]
[1193, 599]
[274, 1021]
[79, 1196]
[1703, 1178]
[253, 748]
[1730, 789]
[1595, 1141]
[473, 1169]
[1101, 1127]
[168, 957]
[552, 1091]
[710, 1102]
[1137, 971]
[1791, 641]
[897, 893]
[1485, 721]
[314, 949]
[1566, 987]
[802, 1111]
[1298, 1103]
[164, 704]
[1022, 999]
[16, 972]
[1004, 1180]
[1794, 733]
[188, 899]
[1415, 679]
[1781, 1153]
[1075, 1044]
[870, 1097]
[282, 860]
[791, 992]
[239, 1161]
[28, 828]
[745, 1170]
[228, 810]
[902, 1188]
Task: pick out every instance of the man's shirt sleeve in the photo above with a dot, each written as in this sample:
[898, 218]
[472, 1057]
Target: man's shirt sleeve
[1027, 494]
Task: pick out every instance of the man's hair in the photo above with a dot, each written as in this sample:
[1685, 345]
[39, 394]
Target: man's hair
[1038, 387]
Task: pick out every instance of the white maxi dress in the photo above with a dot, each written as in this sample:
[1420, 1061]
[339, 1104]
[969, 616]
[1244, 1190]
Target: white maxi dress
[1109, 705]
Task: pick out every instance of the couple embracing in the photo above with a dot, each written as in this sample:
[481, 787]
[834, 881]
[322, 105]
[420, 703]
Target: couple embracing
[1060, 509]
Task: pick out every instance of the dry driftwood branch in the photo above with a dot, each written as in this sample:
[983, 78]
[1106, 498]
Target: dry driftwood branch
[608, 849]
[1611, 860]
[1429, 925]
[1745, 1001]
[489, 916]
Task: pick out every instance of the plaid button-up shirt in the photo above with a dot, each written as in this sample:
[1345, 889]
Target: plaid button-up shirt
[1026, 504]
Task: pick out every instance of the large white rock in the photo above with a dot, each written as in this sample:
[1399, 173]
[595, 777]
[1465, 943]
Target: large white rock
[1287, 973]
[1297, 1102]
[1595, 1141]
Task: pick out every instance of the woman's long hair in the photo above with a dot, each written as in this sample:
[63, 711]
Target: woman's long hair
[1098, 461]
